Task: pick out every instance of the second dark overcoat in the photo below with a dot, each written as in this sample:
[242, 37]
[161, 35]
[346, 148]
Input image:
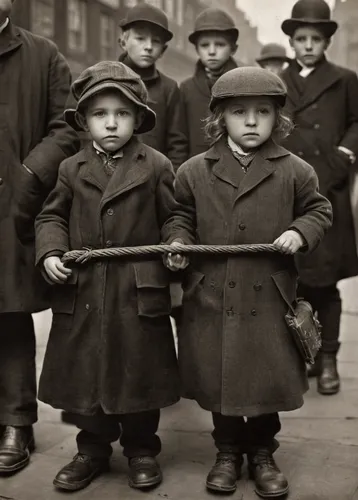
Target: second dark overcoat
[324, 108]
[111, 343]
[236, 354]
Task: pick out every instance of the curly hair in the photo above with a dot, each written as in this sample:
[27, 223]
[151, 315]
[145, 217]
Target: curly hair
[215, 124]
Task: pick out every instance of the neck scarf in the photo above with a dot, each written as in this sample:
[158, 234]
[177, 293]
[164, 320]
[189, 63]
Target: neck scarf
[109, 159]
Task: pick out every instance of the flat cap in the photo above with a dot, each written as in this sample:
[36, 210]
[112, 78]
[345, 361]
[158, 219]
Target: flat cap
[272, 51]
[144, 12]
[213, 19]
[248, 81]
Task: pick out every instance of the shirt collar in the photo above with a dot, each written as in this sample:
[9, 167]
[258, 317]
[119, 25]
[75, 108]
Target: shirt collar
[117, 154]
[235, 147]
[305, 70]
[4, 24]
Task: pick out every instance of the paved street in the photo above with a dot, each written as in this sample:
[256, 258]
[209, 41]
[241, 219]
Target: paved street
[319, 443]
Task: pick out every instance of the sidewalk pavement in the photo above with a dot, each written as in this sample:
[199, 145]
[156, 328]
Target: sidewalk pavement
[318, 452]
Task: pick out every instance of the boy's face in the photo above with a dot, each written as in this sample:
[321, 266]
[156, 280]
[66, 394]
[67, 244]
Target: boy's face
[5, 9]
[111, 119]
[214, 49]
[273, 65]
[144, 44]
[250, 120]
[309, 45]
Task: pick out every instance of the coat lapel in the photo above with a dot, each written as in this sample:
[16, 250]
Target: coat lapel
[225, 167]
[92, 171]
[261, 167]
[9, 39]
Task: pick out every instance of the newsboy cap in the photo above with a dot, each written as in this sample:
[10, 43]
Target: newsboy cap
[272, 51]
[112, 75]
[310, 12]
[144, 12]
[248, 81]
[212, 19]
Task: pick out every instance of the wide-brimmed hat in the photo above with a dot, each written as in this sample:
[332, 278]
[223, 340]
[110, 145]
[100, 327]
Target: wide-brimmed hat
[311, 12]
[212, 19]
[248, 81]
[273, 51]
[110, 75]
[144, 12]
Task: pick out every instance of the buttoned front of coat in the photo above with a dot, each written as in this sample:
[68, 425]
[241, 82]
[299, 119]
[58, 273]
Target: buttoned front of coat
[236, 354]
[111, 344]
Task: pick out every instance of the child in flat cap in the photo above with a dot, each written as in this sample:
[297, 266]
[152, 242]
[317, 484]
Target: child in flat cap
[236, 356]
[323, 101]
[215, 40]
[110, 360]
[273, 57]
[144, 39]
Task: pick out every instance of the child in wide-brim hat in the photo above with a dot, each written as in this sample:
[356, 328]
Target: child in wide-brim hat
[101, 365]
[236, 355]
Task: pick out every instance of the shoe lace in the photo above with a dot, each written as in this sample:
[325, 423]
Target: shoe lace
[81, 458]
[264, 459]
[140, 461]
[226, 460]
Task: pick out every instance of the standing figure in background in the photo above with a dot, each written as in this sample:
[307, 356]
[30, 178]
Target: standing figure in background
[323, 102]
[34, 85]
[144, 40]
[273, 57]
[215, 39]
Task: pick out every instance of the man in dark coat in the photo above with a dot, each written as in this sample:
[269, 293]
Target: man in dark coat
[214, 38]
[144, 38]
[34, 84]
[323, 102]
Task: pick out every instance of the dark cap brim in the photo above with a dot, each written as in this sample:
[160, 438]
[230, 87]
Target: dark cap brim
[280, 98]
[234, 32]
[273, 56]
[328, 27]
[168, 35]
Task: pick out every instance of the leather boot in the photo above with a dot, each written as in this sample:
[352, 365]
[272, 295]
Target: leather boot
[328, 382]
[269, 480]
[315, 369]
[225, 472]
[80, 472]
[16, 444]
[144, 472]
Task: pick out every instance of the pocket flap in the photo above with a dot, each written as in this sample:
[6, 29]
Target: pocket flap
[152, 274]
[286, 284]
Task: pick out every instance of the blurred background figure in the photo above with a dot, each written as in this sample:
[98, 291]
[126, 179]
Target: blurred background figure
[273, 57]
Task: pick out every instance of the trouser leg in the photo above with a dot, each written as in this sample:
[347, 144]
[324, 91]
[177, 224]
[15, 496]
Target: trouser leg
[229, 433]
[18, 405]
[139, 434]
[261, 432]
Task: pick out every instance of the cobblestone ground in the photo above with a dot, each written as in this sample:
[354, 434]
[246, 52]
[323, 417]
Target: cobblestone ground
[318, 452]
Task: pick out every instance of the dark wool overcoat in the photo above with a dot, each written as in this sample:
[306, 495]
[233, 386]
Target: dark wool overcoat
[168, 135]
[196, 94]
[34, 85]
[111, 343]
[236, 354]
[324, 107]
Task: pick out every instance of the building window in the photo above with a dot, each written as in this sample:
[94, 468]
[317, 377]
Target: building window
[170, 8]
[43, 17]
[77, 25]
[107, 28]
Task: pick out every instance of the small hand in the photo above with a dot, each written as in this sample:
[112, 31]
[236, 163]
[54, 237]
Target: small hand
[55, 270]
[176, 261]
[289, 242]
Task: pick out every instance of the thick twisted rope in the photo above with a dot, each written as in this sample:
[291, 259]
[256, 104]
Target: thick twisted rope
[82, 256]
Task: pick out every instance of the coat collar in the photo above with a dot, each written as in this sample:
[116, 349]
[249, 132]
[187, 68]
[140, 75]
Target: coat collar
[131, 170]
[200, 77]
[321, 79]
[260, 168]
[10, 39]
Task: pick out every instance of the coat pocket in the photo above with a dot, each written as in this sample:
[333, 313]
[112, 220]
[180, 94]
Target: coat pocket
[63, 297]
[153, 295]
[286, 283]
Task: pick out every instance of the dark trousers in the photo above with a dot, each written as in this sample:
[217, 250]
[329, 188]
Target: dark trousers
[327, 302]
[234, 435]
[18, 405]
[136, 432]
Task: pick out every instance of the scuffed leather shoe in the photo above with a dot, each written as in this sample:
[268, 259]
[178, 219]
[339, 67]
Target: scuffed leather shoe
[16, 444]
[144, 472]
[328, 382]
[80, 472]
[269, 480]
[225, 472]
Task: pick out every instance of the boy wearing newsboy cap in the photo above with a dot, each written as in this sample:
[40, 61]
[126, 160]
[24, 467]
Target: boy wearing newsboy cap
[323, 101]
[144, 39]
[110, 360]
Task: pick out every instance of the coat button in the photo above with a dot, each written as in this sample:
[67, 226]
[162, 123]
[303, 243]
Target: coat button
[87, 307]
[300, 153]
[253, 312]
[110, 211]
[230, 312]
[257, 287]
[232, 284]
[316, 126]
[242, 227]
[315, 106]
[317, 152]
[109, 243]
